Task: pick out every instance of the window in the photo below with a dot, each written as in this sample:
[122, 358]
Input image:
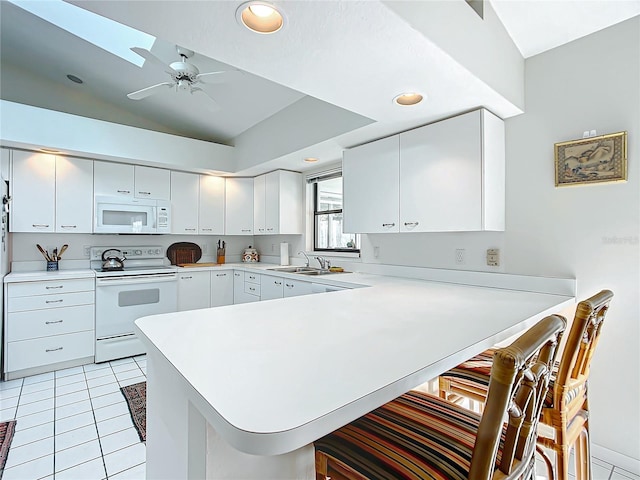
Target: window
[327, 213]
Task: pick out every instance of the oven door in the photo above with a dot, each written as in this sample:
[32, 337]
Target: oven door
[120, 300]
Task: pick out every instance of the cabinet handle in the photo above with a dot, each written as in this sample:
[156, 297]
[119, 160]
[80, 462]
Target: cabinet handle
[143, 193]
[388, 224]
[123, 191]
[261, 229]
[189, 229]
[53, 349]
[50, 322]
[290, 286]
[206, 229]
[185, 278]
[278, 283]
[269, 229]
[252, 289]
[236, 274]
[68, 226]
[51, 288]
[54, 301]
[247, 230]
[39, 225]
[410, 224]
[221, 274]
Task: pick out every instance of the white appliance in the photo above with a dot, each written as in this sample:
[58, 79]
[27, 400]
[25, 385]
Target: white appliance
[146, 286]
[131, 215]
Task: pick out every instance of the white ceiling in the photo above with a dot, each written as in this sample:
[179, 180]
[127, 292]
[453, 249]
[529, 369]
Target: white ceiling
[345, 60]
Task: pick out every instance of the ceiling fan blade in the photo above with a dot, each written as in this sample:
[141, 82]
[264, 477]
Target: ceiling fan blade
[211, 104]
[145, 92]
[150, 57]
[218, 77]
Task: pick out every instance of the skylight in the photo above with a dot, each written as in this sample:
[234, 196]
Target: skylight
[111, 36]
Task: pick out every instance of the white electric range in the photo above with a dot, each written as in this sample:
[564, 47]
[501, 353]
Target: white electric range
[144, 286]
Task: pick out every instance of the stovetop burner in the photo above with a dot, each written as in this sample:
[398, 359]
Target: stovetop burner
[111, 269]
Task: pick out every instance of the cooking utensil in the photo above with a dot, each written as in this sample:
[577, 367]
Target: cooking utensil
[62, 250]
[44, 253]
[55, 254]
[112, 262]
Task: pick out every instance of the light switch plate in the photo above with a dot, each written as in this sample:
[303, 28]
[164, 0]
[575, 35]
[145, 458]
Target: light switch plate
[493, 257]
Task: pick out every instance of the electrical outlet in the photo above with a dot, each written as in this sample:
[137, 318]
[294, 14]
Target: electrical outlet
[493, 257]
[460, 256]
[86, 250]
[273, 247]
[376, 252]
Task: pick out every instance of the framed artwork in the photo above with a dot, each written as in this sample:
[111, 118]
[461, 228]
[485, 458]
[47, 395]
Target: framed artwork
[592, 160]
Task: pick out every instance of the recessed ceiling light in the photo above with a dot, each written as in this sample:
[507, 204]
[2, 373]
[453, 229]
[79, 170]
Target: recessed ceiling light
[311, 159]
[74, 79]
[50, 150]
[406, 99]
[260, 17]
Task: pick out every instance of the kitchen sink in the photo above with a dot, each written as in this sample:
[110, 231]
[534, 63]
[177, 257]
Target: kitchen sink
[316, 272]
[294, 269]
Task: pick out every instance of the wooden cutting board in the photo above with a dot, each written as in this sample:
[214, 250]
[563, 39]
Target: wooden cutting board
[183, 252]
[204, 264]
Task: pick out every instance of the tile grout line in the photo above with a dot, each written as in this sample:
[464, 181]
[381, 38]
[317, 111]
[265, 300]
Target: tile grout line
[95, 423]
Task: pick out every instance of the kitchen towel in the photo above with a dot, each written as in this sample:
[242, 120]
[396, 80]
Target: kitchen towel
[284, 253]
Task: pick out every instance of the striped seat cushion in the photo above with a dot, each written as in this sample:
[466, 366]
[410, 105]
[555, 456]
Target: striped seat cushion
[475, 373]
[416, 436]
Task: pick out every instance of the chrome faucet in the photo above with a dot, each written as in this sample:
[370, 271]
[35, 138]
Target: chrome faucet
[305, 256]
[324, 263]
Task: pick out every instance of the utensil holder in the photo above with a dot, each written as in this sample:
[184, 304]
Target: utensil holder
[220, 256]
[52, 266]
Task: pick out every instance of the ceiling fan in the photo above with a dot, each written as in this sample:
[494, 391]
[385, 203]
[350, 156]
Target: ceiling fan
[184, 75]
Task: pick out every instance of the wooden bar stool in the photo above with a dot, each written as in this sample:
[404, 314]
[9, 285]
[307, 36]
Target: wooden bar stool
[566, 407]
[420, 436]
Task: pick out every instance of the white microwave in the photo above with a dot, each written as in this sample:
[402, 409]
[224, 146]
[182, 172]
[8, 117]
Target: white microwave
[131, 215]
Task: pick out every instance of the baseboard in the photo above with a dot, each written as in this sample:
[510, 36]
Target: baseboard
[618, 459]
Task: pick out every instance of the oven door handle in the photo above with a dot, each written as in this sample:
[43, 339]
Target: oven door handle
[135, 279]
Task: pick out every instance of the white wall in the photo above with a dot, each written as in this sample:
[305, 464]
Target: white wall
[590, 232]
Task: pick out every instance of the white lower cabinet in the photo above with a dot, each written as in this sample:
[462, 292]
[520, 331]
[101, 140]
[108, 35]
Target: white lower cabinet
[221, 288]
[293, 288]
[271, 287]
[241, 292]
[49, 325]
[194, 290]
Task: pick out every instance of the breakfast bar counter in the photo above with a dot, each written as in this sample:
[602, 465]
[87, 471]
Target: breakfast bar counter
[242, 391]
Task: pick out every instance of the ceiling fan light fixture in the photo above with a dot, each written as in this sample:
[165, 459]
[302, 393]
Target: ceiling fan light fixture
[260, 17]
[408, 99]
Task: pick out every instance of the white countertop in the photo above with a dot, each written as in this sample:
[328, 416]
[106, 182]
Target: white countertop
[43, 275]
[279, 374]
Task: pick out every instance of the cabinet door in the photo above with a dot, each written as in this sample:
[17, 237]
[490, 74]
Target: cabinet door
[185, 188]
[272, 203]
[152, 183]
[221, 288]
[441, 176]
[271, 287]
[259, 208]
[33, 192]
[370, 175]
[74, 195]
[238, 206]
[294, 288]
[114, 179]
[193, 290]
[211, 212]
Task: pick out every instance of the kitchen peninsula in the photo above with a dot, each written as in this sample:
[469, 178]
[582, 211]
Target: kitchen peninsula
[242, 391]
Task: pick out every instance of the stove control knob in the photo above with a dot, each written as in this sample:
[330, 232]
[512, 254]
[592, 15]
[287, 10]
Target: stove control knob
[138, 252]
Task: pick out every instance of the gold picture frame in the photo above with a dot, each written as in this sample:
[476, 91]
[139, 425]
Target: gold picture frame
[591, 160]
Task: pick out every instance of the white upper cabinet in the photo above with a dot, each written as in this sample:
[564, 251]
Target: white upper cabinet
[185, 188]
[120, 179]
[74, 195]
[33, 194]
[113, 179]
[277, 203]
[370, 187]
[211, 209]
[239, 206]
[449, 176]
[152, 183]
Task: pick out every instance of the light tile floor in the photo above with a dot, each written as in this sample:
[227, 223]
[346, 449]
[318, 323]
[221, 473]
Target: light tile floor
[74, 423]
